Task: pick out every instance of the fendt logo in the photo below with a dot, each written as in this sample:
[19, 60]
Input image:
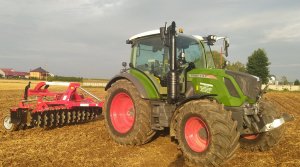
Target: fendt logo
[207, 88]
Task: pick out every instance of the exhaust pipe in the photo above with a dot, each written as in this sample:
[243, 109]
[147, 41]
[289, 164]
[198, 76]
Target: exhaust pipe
[169, 39]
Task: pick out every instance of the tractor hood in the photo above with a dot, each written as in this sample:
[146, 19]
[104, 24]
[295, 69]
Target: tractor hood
[249, 84]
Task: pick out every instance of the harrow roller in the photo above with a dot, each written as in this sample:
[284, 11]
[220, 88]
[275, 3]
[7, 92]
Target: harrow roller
[59, 118]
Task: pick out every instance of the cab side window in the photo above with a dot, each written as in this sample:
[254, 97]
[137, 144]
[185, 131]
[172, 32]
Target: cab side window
[151, 56]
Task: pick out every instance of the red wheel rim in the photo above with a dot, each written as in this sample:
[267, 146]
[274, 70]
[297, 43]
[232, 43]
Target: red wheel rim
[196, 134]
[250, 137]
[122, 113]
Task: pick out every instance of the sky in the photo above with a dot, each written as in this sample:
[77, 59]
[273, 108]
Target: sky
[86, 38]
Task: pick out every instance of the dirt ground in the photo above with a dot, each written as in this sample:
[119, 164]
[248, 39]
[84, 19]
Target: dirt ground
[90, 145]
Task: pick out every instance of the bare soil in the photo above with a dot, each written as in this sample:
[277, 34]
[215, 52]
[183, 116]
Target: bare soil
[90, 145]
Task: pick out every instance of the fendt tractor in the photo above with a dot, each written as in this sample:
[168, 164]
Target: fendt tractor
[172, 84]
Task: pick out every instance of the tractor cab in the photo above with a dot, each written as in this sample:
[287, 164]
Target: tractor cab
[150, 56]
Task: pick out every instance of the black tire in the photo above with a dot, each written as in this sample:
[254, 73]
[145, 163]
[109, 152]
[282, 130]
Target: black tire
[223, 138]
[264, 141]
[140, 132]
[7, 125]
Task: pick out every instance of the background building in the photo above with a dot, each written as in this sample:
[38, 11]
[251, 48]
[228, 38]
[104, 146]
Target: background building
[11, 73]
[39, 73]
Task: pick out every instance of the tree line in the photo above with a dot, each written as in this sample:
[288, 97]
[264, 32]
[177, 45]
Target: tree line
[67, 79]
[257, 64]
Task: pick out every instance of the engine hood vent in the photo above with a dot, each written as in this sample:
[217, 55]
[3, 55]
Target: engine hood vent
[249, 84]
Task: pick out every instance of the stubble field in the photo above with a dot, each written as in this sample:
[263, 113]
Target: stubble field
[90, 145]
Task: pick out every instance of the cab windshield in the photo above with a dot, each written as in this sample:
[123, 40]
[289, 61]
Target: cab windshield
[209, 57]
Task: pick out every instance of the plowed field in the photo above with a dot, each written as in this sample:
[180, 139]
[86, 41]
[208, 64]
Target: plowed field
[90, 145]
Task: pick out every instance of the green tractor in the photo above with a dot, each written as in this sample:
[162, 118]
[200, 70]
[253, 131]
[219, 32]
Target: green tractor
[172, 84]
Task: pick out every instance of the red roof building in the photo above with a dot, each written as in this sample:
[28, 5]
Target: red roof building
[11, 73]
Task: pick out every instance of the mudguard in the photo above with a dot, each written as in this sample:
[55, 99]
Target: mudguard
[132, 79]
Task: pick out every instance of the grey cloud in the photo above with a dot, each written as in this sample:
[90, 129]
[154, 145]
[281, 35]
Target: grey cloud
[87, 37]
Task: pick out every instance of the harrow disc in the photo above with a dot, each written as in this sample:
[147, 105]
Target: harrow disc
[51, 120]
[74, 117]
[62, 118]
[68, 117]
[88, 115]
[79, 115]
[57, 118]
[45, 119]
[83, 116]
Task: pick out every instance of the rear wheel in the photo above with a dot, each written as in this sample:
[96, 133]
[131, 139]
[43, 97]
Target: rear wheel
[127, 115]
[263, 141]
[206, 133]
[7, 124]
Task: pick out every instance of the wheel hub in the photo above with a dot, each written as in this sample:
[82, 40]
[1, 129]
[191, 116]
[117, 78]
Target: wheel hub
[122, 112]
[196, 134]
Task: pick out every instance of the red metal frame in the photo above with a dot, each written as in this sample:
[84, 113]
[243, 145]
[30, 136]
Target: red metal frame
[59, 100]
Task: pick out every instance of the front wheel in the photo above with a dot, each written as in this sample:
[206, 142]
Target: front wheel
[7, 124]
[206, 133]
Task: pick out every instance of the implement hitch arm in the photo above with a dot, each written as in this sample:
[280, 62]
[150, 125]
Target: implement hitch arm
[90, 94]
[26, 91]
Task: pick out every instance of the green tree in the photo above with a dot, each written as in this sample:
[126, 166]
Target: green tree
[219, 59]
[296, 82]
[237, 66]
[258, 64]
[1, 75]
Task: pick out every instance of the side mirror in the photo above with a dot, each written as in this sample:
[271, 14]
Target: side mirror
[130, 65]
[124, 64]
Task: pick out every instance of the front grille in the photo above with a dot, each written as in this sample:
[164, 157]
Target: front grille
[248, 83]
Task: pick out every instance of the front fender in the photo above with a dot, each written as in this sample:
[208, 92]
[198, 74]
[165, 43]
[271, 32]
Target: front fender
[130, 78]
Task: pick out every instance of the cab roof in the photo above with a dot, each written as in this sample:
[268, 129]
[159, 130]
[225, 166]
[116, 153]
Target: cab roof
[143, 34]
[155, 32]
